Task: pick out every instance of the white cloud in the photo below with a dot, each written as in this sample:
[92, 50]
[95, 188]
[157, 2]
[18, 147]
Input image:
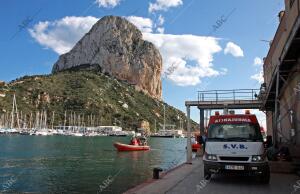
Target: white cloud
[259, 76]
[108, 3]
[61, 35]
[160, 30]
[223, 71]
[258, 61]
[233, 49]
[180, 51]
[144, 24]
[163, 5]
[189, 57]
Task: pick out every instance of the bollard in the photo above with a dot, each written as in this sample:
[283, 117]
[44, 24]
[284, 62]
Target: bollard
[156, 172]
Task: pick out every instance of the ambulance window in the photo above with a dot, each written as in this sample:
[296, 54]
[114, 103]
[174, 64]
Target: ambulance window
[244, 130]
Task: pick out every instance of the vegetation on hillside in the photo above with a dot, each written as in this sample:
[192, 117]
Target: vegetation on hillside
[95, 98]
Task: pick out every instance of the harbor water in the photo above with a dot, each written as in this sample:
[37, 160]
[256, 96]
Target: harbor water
[66, 164]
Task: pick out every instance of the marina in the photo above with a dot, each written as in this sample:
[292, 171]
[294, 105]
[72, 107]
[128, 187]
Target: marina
[66, 131]
[15, 122]
[80, 131]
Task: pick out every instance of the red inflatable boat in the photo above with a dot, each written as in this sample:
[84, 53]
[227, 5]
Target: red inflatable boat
[126, 147]
[195, 146]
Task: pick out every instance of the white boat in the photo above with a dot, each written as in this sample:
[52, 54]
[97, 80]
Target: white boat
[181, 136]
[54, 132]
[76, 134]
[118, 133]
[102, 134]
[60, 132]
[42, 133]
[92, 134]
[31, 132]
[164, 133]
[12, 131]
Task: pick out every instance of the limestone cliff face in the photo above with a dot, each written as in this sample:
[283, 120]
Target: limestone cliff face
[116, 47]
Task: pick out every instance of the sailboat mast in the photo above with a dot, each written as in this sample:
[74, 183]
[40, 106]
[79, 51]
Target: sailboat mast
[12, 113]
[45, 117]
[164, 127]
[18, 121]
[24, 121]
[30, 121]
[65, 121]
[53, 112]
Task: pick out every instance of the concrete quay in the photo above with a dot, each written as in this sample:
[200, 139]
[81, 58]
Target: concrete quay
[188, 179]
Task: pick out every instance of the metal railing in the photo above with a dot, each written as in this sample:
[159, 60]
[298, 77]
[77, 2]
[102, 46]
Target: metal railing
[228, 95]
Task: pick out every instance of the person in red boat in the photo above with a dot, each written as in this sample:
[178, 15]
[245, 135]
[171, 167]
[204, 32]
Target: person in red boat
[134, 141]
[138, 141]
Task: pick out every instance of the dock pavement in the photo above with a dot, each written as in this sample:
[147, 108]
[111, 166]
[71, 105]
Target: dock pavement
[188, 179]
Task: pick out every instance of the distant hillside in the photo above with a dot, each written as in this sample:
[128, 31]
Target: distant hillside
[88, 94]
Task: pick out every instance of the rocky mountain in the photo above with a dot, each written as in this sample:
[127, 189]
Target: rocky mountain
[115, 46]
[86, 94]
[110, 77]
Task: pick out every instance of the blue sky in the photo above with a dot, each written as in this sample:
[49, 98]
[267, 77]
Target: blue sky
[28, 50]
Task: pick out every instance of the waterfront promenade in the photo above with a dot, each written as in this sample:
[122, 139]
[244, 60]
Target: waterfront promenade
[189, 179]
